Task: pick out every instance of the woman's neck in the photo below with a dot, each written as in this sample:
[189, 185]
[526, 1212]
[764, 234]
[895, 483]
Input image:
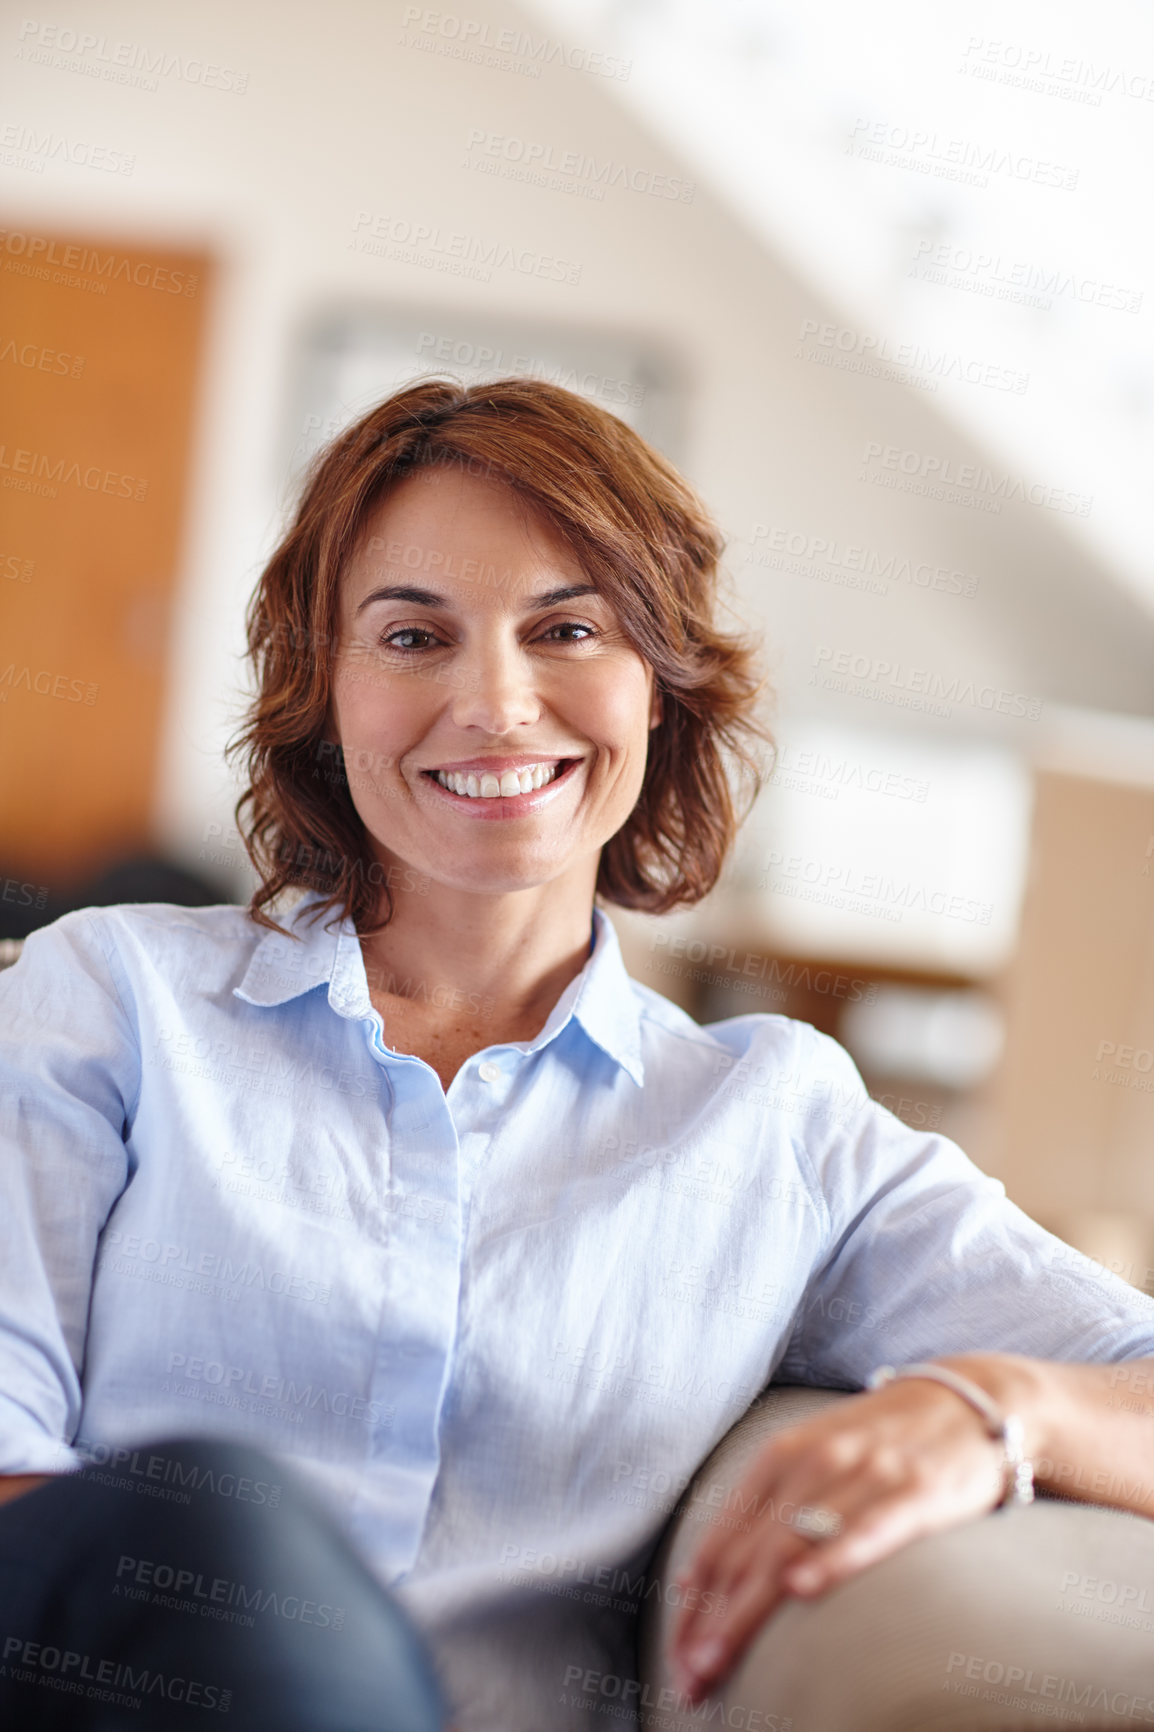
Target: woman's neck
[494, 965]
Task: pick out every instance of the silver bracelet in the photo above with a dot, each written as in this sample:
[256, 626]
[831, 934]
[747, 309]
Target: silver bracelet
[1007, 1428]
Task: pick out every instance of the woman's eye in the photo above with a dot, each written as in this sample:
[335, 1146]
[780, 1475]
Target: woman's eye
[393, 639]
[572, 625]
[413, 638]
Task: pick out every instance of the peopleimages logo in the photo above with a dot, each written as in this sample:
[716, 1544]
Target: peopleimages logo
[17, 140]
[509, 49]
[76, 1674]
[569, 170]
[816, 772]
[964, 1672]
[1040, 69]
[83, 266]
[135, 1577]
[874, 893]
[151, 1469]
[1016, 280]
[609, 1693]
[40, 472]
[973, 478]
[100, 57]
[428, 245]
[237, 1381]
[892, 682]
[130, 1253]
[849, 563]
[763, 967]
[962, 159]
[908, 359]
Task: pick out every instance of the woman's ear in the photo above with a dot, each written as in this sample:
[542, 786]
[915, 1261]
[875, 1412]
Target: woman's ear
[656, 708]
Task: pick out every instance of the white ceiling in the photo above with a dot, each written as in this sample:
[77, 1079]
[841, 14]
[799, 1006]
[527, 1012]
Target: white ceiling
[1010, 145]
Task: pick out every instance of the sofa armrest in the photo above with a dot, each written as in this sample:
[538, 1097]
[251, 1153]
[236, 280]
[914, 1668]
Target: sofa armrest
[1042, 1612]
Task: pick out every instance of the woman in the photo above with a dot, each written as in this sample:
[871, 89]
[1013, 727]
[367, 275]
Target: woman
[409, 1185]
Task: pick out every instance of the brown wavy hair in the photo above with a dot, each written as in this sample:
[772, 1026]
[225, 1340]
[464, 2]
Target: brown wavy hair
[646, 541]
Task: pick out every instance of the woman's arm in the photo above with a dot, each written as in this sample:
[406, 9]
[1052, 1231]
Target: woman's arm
[1091, 1427]
[13, 1484]
[906, 1460]
[69, 1066]
[924, 1255]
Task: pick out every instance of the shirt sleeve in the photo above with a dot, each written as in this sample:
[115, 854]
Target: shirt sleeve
[926, 1255]
[69, 1079]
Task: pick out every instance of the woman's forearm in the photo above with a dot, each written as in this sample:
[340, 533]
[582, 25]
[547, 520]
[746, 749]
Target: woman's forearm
[13, 1484]
[1089, 1429]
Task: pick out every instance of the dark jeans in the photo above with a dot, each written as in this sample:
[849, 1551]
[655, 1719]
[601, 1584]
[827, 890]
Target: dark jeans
[196, 1579]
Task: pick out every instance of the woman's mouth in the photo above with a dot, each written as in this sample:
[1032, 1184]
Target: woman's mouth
[486, 785]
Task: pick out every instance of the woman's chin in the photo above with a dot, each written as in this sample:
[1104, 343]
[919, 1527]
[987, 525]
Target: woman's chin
[475, 877]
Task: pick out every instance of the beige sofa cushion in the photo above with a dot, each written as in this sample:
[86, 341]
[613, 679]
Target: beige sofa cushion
[1042, 1615]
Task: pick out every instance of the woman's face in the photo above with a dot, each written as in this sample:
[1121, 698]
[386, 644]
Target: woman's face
[474, 651]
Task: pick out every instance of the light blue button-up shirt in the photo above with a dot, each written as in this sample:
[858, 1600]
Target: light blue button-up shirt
[498, 1327]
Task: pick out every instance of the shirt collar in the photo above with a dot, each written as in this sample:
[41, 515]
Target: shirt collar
[600, 998]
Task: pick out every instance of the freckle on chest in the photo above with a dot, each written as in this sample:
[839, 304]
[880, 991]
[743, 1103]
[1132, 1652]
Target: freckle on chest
[445, 1047]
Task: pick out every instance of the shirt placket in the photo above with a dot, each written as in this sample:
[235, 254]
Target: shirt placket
[422, 1286]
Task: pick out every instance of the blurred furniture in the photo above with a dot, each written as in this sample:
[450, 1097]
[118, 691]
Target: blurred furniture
[1046, 1610]
[1074, 1097]
[145, 877]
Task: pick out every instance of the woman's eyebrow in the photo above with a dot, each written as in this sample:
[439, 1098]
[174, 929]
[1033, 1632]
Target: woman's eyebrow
[402, 592]
[567, 592]
[430, 597]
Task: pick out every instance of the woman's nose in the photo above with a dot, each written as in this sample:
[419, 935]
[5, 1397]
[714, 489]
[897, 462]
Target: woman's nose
[497, 689]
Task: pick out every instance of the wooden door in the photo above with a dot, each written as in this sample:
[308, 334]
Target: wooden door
[100, 351]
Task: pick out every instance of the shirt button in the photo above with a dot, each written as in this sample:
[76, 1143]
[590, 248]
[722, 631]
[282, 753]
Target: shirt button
[489, 1072]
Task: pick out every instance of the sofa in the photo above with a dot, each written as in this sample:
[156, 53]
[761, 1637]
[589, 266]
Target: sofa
[1038, 1614]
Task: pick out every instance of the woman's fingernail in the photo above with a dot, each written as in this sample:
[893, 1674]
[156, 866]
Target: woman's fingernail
[704, 1658]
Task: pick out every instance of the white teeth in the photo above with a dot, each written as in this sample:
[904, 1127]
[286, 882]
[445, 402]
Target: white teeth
[488, 786]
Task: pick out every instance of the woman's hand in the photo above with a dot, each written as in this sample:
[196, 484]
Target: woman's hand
[906, 1460]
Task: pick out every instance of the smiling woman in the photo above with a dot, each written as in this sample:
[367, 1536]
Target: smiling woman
[434, 528]
[511, 732]
[506, 606]
[434, 1206]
